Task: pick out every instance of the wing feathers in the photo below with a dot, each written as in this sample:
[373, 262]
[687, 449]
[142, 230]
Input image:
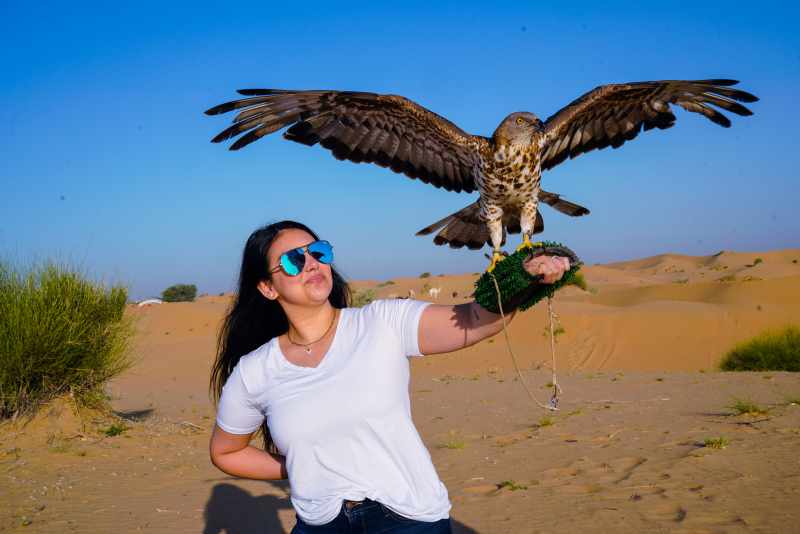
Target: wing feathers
[388, 130]
[614, 114]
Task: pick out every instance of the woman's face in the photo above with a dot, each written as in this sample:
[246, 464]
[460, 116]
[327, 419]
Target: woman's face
[311, 287]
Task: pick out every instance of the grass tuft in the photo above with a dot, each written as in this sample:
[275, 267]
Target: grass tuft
[556, 332]
[545, 421]
[115, 430]
[773, 350]
[716, 443]
[747, 407]
[59, 333]
[453, 444]
[511, 485]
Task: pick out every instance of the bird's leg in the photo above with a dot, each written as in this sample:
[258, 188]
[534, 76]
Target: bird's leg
[527, 221]
[496, 235]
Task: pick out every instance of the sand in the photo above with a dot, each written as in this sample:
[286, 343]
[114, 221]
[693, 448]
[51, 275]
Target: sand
[625, 452]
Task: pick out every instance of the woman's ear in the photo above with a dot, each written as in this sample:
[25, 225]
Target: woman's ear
[266, 289]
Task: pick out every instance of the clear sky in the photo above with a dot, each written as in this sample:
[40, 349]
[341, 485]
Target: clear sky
[106, 160]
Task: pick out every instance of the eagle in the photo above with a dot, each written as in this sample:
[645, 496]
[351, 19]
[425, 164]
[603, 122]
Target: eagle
[395, 132]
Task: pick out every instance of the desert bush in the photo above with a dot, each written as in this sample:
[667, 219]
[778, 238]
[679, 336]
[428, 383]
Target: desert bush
[362, 298]
[59, 333]
[747, 407]
[716, 443]
[425, 275]
[179, 293]
[773, 350]
[513, 486]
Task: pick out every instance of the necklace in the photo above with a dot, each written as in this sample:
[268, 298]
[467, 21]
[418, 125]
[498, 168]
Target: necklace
[307, 346]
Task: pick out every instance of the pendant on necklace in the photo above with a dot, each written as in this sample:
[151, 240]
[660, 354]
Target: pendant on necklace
[307, 349]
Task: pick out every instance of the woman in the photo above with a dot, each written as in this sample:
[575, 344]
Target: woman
[328, 386]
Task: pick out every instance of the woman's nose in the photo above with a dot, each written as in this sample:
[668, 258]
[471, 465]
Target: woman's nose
[311, 261]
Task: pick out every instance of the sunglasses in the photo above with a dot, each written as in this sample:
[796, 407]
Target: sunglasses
[293, 261]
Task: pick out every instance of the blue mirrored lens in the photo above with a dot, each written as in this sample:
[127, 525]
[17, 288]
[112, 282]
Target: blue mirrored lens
[322, 251]
[293, 261]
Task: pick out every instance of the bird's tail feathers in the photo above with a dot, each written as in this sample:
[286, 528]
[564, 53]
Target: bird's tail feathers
[463, 228]
[555, 201]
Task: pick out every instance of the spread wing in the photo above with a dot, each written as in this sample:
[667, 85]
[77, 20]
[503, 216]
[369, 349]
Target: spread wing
[613, 114]
[388, 130]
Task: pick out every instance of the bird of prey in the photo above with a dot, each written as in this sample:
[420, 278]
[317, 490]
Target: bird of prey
[392, 131]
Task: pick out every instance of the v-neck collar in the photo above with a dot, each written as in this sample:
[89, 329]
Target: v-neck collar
[325, 357]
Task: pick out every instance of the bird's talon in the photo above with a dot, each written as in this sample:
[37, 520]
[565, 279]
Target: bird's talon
[496, 258]
[526, 243]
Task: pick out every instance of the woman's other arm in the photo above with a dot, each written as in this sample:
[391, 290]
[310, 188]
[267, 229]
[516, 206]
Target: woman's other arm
[445, 328]
[233, 454]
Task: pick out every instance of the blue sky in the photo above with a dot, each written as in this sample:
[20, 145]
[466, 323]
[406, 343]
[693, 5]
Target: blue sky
[107, 162]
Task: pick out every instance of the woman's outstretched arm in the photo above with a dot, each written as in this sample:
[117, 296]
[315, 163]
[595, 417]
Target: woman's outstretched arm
[445, 328]
[233, 454]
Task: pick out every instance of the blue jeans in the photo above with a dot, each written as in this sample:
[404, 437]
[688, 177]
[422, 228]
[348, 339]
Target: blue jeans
[371, 517]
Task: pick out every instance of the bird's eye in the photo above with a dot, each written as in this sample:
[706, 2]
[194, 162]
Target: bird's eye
[520, 121]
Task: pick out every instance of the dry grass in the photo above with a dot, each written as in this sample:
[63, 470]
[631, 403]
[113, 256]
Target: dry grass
[773, 350]
[59, 333]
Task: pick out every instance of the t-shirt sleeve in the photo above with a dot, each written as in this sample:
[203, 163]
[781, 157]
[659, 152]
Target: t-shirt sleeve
[402, 316]
[236, 413]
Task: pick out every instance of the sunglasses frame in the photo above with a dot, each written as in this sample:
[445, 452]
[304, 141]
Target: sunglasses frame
[301, 250]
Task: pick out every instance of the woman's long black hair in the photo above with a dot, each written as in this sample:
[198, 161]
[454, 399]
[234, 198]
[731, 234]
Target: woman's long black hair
[252, 319]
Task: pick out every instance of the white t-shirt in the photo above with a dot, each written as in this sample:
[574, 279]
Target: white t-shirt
[344, 426]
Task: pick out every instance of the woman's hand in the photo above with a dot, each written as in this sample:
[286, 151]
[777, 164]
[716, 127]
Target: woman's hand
[552, 268]
[445, 328]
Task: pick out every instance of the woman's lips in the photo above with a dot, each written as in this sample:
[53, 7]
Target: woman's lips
[316, 279]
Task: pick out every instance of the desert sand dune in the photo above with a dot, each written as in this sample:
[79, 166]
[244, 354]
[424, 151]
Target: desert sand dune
[626, 452]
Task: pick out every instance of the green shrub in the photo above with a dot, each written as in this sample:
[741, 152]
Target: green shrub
[362, 298]
[59, 333]
[747, 407]
[513, 486]
[115, 430]
[179, 293]
[773, 350]
[716, 443]
[425, 275]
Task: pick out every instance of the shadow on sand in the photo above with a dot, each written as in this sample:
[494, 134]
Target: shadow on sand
[232, 510]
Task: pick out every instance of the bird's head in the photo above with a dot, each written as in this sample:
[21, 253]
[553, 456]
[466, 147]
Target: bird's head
[520, 128]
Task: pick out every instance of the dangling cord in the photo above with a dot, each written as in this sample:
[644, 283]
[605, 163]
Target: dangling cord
[552, 405]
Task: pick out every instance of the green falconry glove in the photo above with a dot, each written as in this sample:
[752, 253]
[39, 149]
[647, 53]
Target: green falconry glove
[518, 288]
